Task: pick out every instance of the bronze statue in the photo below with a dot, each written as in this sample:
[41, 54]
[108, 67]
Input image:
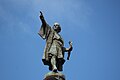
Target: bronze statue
[54, 50]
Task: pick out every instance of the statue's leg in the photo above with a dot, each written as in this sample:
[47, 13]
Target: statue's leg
[59, 65]
[53, 62]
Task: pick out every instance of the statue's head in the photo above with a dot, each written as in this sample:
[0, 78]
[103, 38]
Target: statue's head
[57, 27]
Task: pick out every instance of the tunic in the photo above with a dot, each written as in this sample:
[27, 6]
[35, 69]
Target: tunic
[54, 46]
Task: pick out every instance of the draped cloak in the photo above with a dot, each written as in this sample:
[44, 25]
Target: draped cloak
[54, 46]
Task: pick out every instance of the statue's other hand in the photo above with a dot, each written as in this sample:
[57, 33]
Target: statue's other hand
[70, 43]
[71, 47]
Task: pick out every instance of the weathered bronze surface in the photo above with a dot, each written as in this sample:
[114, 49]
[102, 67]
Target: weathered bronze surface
[54, 76]
[54, 50]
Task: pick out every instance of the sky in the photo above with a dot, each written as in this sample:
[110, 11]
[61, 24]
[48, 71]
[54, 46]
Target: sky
[92, 25]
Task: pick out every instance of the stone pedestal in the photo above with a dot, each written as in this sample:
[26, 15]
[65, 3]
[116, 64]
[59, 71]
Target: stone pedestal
[54, 76]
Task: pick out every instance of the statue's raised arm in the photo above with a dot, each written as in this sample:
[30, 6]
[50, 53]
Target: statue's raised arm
[45, 28]
[42, 19]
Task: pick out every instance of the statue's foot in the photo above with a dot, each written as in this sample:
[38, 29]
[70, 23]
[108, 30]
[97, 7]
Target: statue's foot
[55, 69]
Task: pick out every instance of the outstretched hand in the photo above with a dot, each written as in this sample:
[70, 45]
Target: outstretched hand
[41, 12]
[41, 15]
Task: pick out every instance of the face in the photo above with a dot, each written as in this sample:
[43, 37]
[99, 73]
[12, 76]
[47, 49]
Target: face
[57, 27]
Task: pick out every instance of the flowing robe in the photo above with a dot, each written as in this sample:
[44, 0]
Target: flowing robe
[54, 46]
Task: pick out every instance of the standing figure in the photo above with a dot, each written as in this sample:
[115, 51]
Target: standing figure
[54, 50]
